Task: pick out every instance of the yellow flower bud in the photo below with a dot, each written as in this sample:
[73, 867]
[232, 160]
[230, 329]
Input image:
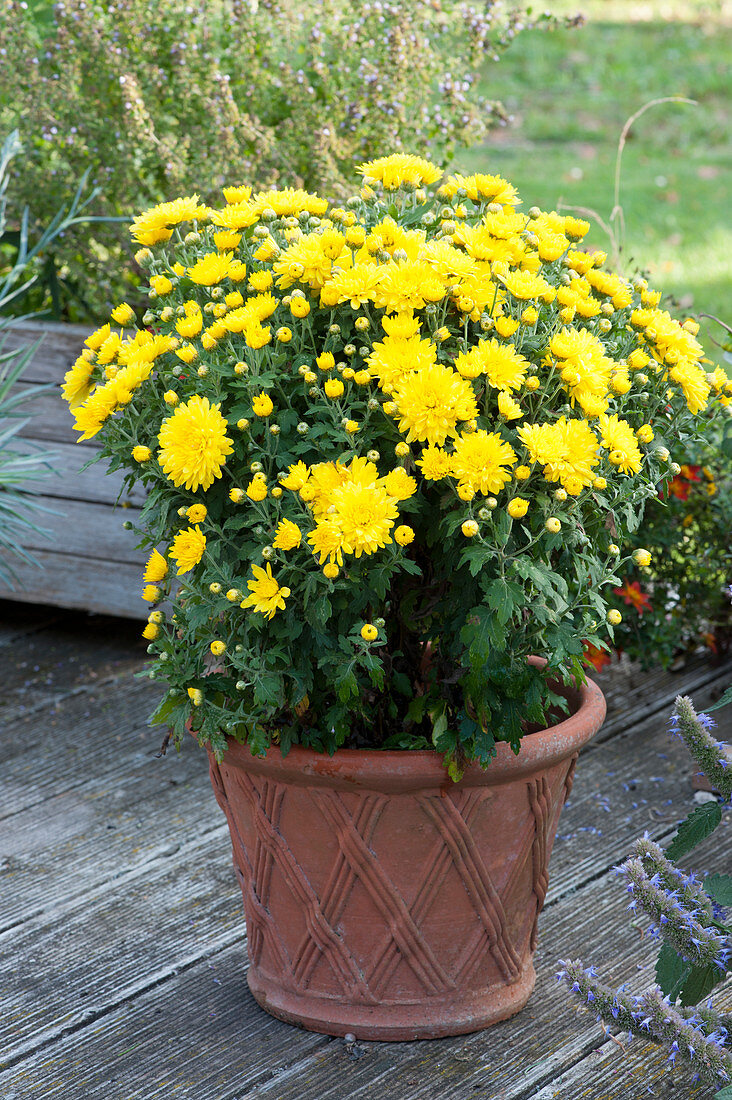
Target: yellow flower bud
[614, 617]
[470, 528]
[217, 648]
[333, 388]
[518, 507]
[369, 633]
[553, 525]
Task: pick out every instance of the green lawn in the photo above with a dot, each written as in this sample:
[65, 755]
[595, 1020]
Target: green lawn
[571, 92]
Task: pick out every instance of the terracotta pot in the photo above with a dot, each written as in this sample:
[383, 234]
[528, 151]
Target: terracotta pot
[382, 899]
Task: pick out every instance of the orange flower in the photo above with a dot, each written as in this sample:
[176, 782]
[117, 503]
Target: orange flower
[595, 656]
[631, 593]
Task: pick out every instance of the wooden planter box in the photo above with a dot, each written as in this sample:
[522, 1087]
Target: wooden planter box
[88, 559]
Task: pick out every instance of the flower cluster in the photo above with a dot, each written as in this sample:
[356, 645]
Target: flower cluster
[691, 1035]
[391, 449]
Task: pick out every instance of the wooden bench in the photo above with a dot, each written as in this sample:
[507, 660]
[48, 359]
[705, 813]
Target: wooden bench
[87, 560]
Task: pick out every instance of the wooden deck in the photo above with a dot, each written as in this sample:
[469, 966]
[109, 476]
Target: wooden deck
[122, 948]
[88, 560]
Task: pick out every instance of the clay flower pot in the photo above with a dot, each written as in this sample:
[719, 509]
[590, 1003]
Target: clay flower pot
[384, 900]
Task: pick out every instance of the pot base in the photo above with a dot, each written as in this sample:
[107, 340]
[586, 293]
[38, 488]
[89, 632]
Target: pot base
[459, 1015]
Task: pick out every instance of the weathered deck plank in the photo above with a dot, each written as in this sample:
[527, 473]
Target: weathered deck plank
[66, 480]
[86, 560]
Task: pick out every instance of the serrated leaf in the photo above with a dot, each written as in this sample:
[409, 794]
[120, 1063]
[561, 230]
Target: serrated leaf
[694, 829]
[699, 984]
[723, 1094]
[671, 971]
[500, 599]
[268, 689]
[719, 887]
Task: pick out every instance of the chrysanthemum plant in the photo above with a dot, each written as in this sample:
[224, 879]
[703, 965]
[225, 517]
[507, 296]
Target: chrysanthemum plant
[390, 449]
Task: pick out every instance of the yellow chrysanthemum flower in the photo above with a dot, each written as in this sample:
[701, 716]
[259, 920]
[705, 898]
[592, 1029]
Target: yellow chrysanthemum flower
[211, 269]
[194, 444]
[288, 535]
[482, 461]
[503, 366]
[567, 449]
[481, 188]
[358, 285]
[187, 549]
[78, 383]
[399, 484]
[408, 286]
[392, 171]
[156, 567]
[693, 383]
[431, 401]
[619, 439]
[154, 225]
[392, 359]
[297, 475]
[435, 463]
[262, 404]
[364, 516]
[507, 407]
[524, 285]
[267, 598]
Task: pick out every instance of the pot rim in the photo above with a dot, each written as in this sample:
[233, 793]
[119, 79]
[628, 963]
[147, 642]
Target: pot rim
[395, 770]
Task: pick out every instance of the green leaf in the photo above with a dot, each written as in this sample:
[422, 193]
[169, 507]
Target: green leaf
[671, 971]
[438, 728]
[719, 887]
[694, 829]
[723, 1094]
[723, 702]
[163, 710]
[699, 984]
[268, 689]
[501, 598]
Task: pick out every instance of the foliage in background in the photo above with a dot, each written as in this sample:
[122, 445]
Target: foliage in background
[571, 92]
[688, 918]
[165, 99]
[682, 602]
[414, 430]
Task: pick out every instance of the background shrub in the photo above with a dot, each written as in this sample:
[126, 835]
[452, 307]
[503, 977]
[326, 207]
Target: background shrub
[168, 99]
